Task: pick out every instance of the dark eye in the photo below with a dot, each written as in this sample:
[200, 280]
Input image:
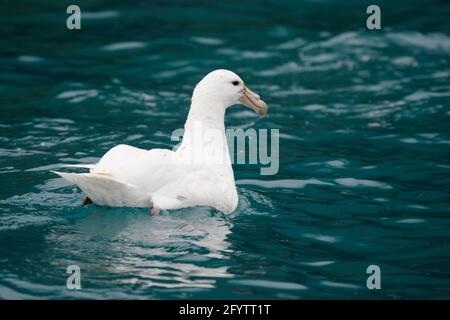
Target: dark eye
[235, 83]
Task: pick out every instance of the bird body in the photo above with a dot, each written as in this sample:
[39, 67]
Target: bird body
[198, 173]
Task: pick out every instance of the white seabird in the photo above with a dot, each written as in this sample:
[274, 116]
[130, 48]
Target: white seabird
[198, 173]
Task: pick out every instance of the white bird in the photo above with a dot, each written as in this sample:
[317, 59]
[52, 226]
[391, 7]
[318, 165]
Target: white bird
[198, 173]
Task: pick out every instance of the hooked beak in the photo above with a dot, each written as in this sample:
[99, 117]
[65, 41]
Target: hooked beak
[253, 101]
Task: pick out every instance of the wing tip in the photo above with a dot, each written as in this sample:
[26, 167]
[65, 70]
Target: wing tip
[80, 165]
[57, 172]
[65, 175]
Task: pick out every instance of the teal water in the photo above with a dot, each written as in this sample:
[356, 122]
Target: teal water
[364, 171]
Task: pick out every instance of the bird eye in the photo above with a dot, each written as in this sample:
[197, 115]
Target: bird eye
[235, 83]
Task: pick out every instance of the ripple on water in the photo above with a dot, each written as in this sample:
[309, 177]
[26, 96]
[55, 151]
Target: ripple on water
[207, 41]
[130, 45]
[352, 182]
[283, 183]
[77, 96]
[318, 263]
[341, 285]
[107, 14]
[322, 237]
[430, 41]
[30, 59]
[269, 284]
[411, 221]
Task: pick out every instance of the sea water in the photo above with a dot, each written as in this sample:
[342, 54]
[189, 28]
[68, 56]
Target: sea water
[364, 149]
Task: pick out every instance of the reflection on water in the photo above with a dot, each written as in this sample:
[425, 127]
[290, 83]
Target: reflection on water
[166, 251]
[364, 149]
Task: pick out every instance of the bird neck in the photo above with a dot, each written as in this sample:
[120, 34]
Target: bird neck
[204, 137]
[209, 112]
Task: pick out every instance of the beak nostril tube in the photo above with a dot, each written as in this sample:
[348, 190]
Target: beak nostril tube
[253, 101]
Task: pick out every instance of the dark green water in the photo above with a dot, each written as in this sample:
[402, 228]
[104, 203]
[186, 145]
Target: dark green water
[364, 152]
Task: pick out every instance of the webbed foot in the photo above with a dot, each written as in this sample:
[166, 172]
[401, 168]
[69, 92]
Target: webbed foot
[87, 201]
[154, 211]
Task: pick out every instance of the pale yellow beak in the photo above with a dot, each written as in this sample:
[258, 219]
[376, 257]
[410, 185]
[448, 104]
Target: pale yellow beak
[253, 101]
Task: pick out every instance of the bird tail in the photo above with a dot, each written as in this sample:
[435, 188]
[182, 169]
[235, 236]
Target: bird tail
[104, 189]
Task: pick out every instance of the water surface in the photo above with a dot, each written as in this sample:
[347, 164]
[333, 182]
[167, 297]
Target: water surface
[364, 149]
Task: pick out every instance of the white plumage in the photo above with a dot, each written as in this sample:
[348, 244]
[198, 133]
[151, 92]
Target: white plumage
[198, 173]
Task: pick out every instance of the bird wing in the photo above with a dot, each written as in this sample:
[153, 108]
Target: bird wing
[106, 190]
[148, 170]
[129, 176]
